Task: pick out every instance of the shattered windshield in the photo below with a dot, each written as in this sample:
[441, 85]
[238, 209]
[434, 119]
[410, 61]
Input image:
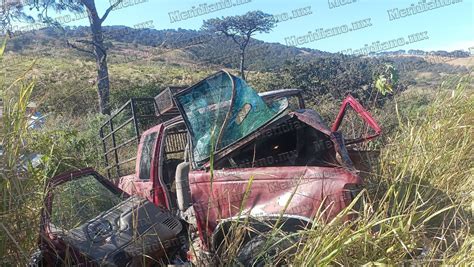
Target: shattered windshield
[205, 106]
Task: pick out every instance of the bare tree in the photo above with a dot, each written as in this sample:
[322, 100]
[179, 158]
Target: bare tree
[240, 29]
[99, 51]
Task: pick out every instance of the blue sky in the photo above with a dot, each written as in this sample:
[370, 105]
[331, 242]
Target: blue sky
[449, 27]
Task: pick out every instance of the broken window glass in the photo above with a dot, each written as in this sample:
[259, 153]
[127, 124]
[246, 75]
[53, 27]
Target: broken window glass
[147, 156]
[206, 105]
[77, 201]
[258, 114]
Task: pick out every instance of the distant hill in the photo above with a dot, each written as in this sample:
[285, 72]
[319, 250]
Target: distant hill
[200, 47]
[197, 47]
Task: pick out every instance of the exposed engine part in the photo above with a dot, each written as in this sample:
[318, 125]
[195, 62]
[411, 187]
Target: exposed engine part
[132, 228]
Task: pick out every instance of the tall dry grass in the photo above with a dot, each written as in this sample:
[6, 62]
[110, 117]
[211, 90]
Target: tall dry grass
[417, 208]
[61, 147]
[20, 193]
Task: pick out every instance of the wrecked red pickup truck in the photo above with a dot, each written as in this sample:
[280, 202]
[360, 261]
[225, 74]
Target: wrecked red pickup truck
[208, 155]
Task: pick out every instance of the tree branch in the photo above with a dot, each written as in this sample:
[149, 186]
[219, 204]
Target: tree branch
[79, 48]
[233, 36]
[94, 44]
[109, 10]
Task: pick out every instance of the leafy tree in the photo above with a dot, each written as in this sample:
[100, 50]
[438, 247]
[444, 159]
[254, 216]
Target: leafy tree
[385, 81]
[93, 46]
[11, 11]
[240, 29]
[336, 76]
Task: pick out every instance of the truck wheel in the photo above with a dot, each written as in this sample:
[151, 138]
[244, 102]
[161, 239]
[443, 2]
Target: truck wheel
[260, 251]
[36, 259]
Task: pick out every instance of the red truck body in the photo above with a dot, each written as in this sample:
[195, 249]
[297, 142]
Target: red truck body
[292, 166]
[271, 187]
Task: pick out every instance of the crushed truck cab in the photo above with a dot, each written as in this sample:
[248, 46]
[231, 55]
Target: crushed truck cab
[218, 151]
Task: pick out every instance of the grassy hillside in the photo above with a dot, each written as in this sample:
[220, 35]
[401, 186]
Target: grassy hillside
[143, 61]
[200, 46]
[66, 81]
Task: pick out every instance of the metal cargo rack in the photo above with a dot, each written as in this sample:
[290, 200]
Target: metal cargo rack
[165, 106]
[122, 130]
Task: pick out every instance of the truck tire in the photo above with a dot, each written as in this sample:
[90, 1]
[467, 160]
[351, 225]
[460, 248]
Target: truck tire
[260, 251]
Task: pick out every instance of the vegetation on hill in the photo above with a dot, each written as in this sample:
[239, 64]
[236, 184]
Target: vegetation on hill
[143, 61]
[209, 49]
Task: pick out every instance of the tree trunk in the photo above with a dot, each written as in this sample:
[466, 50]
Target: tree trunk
[242, 62]
[103, 84]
